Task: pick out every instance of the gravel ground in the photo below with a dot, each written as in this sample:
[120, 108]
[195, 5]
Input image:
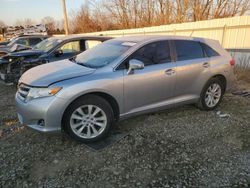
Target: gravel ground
[182, 147]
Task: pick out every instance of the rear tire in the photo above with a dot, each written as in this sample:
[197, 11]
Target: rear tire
[88, 119]
[211, 94]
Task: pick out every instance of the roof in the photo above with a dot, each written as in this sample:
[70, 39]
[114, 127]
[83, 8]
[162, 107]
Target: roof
[85, 37]
[33, 36]
[144, 38]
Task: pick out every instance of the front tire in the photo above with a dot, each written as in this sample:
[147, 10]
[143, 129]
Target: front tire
[211, 94]
[88, 119]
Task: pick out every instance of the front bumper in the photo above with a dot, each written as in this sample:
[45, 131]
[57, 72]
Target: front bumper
[8, 78]
[43, 114]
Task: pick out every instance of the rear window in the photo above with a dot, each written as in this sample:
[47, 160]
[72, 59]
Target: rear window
[209, 51]
[187, 50]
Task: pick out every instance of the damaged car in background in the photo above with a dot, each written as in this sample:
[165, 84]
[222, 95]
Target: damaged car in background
[13, 65]
[21, 43]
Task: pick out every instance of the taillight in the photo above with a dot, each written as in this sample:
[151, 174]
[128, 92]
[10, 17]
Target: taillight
[232, 62]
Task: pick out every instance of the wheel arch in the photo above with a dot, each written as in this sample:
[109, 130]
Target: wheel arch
[109, 98]
[222, 78]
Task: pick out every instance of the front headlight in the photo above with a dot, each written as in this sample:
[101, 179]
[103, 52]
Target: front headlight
[35, 93]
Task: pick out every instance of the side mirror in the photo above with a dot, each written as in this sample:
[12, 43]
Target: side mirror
[58, 53]
[135, 64]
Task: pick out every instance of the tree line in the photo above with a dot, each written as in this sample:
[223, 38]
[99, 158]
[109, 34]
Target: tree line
[99, 15]
[123, 14]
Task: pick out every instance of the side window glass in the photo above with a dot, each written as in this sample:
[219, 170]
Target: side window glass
[187, 50]
[209, 51]
[91, 43]
[162, 54]
[153, 53]
[71, 47]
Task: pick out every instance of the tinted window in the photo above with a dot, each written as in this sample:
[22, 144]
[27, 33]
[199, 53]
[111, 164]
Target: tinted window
[153, 53]
[209, 51]
[188, 50]
[34, 41]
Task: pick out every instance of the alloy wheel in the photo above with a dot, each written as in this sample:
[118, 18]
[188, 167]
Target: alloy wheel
[88, 121]
[213, 95]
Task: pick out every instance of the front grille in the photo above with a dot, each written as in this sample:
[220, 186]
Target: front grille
[23, 91]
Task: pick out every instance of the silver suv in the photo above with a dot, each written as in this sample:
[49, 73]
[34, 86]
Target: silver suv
[121, 78]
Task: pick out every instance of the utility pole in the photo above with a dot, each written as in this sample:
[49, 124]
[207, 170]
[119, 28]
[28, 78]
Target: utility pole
[66, 25]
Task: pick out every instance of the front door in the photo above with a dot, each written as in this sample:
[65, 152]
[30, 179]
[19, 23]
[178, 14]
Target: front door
[152, 86]
[68, 49]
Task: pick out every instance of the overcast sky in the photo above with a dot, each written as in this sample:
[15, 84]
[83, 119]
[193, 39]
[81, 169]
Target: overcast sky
[11, 10]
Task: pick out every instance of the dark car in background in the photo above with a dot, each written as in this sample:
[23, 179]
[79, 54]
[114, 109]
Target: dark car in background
[4, 43]
[13, 65]
[21, 43]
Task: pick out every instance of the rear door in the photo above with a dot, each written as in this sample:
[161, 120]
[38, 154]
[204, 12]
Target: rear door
[152, 86]
[192, 69]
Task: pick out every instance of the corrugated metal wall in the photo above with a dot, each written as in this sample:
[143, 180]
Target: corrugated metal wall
[233, 33]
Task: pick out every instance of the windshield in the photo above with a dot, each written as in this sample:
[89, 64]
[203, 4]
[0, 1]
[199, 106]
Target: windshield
[103, 54]
[12, 42]
[47, 44]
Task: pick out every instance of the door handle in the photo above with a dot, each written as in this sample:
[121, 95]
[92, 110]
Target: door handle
[169, 72]
[206, 65]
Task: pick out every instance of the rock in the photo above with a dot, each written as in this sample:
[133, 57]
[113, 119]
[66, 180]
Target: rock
[55, 161]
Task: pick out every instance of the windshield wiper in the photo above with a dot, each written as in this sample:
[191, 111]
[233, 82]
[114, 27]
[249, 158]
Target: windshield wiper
[73, 59]
[86, 65]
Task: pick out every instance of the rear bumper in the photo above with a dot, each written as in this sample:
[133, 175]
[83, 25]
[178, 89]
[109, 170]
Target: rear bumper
[231, 80]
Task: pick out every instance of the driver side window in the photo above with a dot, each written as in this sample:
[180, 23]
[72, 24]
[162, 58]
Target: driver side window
[71, 47]
[151, 54]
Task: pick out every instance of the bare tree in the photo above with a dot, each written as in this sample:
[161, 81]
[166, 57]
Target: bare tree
[25, 22]
[2, 26]
[122, 14]
[50, 24]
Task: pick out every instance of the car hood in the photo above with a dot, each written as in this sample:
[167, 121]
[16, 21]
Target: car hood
[4, 49]
[25, 53]
[44, 75]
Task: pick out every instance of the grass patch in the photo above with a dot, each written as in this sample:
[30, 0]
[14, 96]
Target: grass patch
[243, 74]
